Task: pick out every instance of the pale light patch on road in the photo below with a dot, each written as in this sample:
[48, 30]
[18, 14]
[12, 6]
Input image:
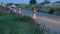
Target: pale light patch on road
[50, 20]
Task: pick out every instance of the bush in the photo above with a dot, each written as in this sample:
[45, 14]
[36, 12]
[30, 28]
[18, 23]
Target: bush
[57, 13]
[51, 11]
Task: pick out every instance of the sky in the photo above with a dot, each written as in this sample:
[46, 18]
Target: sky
[21, 1]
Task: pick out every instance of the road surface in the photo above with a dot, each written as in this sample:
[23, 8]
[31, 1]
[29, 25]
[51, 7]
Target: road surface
[51, 21]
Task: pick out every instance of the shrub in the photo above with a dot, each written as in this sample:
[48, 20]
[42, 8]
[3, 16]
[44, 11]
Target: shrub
[51, 11]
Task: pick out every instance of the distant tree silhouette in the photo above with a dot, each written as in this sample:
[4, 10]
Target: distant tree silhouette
[2, 3]
[9, 4]
[46, 1]
[33, 2]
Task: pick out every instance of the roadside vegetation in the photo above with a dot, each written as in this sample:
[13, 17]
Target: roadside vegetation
[44, 9]
[17, 24]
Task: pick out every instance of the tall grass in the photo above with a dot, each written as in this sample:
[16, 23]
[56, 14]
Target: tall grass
[13, 24]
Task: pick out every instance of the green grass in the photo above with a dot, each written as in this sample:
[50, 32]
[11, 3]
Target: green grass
[13, 24]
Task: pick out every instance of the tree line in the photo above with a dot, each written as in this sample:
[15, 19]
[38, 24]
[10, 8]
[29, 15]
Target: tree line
[35, 2]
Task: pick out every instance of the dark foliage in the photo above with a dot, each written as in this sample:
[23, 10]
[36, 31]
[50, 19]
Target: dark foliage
[33, 2]
[47, 2]
[51, 11]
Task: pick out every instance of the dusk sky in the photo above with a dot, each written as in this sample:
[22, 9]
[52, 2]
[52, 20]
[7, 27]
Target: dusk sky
[21, 1]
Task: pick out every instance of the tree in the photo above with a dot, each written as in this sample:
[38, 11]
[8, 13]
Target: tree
[46, 1]
[33, 2]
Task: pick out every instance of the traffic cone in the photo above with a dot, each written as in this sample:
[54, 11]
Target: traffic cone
[34, 18]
